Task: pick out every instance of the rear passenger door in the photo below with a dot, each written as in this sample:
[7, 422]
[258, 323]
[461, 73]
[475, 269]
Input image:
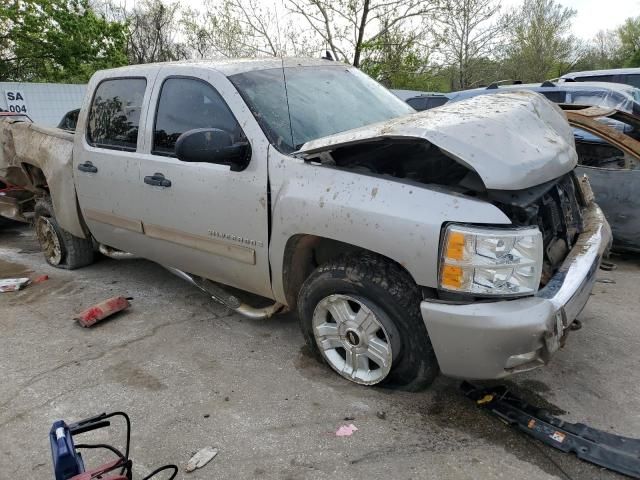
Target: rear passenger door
[207, 220]
[105, 161]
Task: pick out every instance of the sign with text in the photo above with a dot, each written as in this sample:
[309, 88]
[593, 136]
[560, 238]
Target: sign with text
[16, 101]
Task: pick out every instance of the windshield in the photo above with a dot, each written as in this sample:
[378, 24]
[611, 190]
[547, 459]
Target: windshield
[323, 100]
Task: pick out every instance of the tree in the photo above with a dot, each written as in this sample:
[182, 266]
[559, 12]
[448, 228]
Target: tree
[603, 52]
[57, 41]
[539, 44]
[244, 28]
[346, 27]
[153, 26]
[399, 57]
[467, 32]
[214, 31]
[629, 35]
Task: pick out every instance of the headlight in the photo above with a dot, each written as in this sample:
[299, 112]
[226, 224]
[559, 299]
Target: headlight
[491, 261]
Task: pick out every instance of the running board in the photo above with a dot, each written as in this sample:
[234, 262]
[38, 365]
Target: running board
[617, 453]
[225, 298]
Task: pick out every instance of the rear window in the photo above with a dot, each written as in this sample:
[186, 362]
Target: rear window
[595, 78]
[631, 79]
[114, 116]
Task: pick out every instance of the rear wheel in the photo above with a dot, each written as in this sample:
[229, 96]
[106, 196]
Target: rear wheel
[361, 315]
[60, 248]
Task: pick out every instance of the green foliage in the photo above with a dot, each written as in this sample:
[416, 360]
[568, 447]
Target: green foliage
[406, 72]
[629, 35]
[540, 45]
[57, 41]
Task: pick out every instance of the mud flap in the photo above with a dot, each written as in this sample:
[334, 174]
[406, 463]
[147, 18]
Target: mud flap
[617, 453]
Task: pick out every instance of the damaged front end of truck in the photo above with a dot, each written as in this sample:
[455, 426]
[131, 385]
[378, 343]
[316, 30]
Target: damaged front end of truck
[516, 152]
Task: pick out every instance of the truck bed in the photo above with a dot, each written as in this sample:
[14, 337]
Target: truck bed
[40, 160]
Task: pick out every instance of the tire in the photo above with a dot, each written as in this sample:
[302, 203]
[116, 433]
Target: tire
[383, 322]
[60, 248]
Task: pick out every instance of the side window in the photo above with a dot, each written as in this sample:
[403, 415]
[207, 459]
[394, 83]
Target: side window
[596, 78]
[595, 151]
[186, 104]
[555, 97]
[434, 102]
[114, 116]
[427, 103]
[419, 103]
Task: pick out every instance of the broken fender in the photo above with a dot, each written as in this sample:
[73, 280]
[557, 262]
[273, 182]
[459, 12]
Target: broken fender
[50, 150]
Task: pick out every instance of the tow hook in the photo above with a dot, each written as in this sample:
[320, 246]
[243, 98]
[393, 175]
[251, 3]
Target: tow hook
[617, 453]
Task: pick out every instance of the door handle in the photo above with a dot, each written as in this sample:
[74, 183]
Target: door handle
[87, 167]
[157, 180]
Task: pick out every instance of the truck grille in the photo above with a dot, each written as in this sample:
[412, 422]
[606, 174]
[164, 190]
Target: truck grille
[556, 209]
[560, 221]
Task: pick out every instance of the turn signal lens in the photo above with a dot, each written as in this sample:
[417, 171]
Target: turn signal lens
[452, 276]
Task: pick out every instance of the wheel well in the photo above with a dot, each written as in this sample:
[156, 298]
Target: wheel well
[36, 177]
[304, 253]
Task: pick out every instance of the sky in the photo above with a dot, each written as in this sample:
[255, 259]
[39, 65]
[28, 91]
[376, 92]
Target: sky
[594, 15]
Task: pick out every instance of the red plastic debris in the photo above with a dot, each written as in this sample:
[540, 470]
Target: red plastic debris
[102, 310]
[40, 279]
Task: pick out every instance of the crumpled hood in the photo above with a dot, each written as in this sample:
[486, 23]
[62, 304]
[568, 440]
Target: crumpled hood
[512, 140]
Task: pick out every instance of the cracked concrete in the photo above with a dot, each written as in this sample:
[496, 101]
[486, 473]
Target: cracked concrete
[191, 374]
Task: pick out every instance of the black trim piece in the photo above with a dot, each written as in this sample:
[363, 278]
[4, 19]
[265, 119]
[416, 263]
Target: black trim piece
[617, 453]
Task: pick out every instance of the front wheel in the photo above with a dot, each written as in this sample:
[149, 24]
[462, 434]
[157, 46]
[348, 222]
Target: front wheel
[361, 315]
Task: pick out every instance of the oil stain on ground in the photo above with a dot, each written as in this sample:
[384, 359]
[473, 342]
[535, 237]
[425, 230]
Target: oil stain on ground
[128, 374]
[10, 270]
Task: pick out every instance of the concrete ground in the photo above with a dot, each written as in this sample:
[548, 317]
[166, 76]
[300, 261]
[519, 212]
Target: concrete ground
[192, 374]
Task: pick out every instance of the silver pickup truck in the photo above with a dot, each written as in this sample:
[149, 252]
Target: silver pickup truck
[457, 239]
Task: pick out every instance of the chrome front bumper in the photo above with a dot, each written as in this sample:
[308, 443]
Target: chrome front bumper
[488, 340]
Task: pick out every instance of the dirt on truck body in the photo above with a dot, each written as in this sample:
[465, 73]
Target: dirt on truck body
[401, 239]
[39, 159]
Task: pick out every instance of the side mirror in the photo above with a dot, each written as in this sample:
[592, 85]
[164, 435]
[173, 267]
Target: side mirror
[212, 145]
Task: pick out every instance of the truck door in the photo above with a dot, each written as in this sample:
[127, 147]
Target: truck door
[201, 217]
[105, 158]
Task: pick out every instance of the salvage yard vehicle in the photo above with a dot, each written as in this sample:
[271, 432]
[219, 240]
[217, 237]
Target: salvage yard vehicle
[610, 95]
[458, 239]
[608, 147]
[628, 76]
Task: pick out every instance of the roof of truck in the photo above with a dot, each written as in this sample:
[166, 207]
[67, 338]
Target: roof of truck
[230, 67]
